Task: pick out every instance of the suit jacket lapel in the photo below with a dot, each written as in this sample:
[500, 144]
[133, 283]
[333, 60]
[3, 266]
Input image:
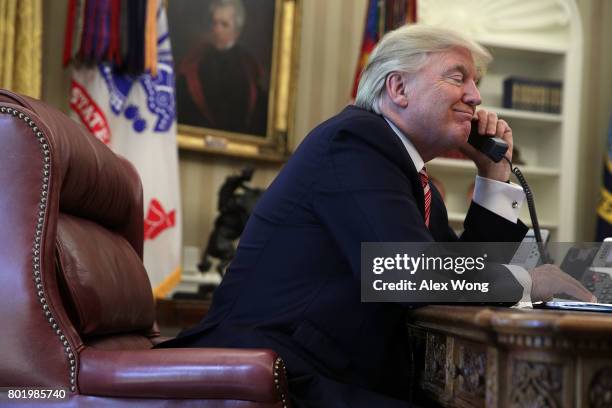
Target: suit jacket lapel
[391, 146]
[405, 162]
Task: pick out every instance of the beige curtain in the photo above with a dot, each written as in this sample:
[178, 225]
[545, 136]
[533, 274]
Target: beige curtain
[20, 46]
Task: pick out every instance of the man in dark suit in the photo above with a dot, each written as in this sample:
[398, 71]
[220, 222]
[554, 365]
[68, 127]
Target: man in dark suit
[294, 285]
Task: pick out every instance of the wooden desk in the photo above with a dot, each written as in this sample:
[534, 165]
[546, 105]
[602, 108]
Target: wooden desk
[497, 357]
[175, 315]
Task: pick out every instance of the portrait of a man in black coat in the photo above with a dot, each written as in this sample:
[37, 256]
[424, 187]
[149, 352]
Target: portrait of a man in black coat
[221, 83]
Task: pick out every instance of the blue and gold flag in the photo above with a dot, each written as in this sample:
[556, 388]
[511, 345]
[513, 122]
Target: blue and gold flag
[604, 209]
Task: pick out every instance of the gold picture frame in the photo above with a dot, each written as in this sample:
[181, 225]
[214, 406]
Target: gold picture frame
[269, 142]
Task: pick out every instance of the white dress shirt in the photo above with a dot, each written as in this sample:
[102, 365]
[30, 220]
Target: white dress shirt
[503, 199]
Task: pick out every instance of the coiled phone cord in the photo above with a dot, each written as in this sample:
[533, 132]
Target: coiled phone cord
[532, 210]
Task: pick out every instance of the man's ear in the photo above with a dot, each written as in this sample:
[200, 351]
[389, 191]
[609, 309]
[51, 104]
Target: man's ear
[396, 85]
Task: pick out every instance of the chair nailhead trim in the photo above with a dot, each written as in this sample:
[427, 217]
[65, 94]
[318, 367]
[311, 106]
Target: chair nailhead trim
[278, 366]
[40, 222]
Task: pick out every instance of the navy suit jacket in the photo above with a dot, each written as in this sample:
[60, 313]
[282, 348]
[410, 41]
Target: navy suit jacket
[294, 285]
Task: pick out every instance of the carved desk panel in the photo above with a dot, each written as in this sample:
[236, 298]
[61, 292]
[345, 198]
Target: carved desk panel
[512, 358]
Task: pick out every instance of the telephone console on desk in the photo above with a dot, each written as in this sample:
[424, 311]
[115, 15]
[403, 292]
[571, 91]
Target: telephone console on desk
[590, 265]
[593, 268]
[528, 253]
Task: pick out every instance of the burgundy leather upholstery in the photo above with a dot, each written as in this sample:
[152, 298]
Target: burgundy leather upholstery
[105, 299]
[75, 300]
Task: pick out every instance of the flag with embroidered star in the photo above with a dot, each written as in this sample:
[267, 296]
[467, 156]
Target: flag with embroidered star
[135, 115]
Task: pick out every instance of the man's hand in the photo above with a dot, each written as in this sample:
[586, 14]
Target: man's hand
[549, 281]
[490, 125]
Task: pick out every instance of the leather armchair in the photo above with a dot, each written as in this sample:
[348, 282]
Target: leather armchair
[75, 301]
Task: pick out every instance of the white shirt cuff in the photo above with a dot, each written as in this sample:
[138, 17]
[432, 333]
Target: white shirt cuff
[503, 199]
[524, 278]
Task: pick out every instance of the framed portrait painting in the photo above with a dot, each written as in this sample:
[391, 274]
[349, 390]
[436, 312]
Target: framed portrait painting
[235, 73]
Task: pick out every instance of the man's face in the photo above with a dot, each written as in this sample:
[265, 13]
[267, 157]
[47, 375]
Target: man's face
[442, 98]
[224, 30]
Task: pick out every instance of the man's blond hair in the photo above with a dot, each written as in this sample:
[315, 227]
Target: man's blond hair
[407, 49]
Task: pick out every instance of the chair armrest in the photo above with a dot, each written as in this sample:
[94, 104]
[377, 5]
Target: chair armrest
[203, 373]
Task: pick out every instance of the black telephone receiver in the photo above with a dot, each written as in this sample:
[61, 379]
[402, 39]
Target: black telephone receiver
[494, 147]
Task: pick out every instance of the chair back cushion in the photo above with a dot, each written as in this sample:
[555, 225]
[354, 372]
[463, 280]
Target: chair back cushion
[104, 278]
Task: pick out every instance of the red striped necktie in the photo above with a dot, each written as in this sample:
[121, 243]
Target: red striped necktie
[426, 194]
